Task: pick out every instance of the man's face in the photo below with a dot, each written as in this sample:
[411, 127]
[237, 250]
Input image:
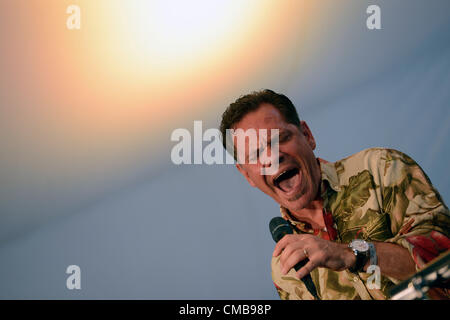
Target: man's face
[296, 182]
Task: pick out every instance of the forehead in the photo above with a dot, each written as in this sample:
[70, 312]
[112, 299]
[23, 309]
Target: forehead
[265, 117]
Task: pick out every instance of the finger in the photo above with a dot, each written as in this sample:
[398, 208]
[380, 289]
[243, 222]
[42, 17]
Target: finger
[289, 238]
[291, 247]
[306, 269]
[282, 244]
[294, 258]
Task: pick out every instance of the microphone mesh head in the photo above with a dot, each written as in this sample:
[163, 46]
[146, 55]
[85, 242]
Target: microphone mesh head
[279, 227]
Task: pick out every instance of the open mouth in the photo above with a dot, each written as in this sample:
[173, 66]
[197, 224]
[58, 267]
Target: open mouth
[287, 180]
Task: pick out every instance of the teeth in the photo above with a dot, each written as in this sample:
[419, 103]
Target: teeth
[276, 181]
[281, 174]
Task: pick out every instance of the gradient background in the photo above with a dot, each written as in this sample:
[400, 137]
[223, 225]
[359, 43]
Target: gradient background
[86, 117]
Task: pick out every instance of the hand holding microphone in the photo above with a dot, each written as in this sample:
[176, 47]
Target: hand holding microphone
[305, 252]
[279, 228]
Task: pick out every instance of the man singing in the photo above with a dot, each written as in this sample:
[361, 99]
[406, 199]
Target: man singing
[376, 208]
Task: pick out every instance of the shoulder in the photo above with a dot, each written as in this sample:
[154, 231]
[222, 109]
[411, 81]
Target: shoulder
[373, 157]
[364, 161]
[374, 163]
[368, 155]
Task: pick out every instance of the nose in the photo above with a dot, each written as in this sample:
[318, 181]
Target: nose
[281, 158]
[271, 166]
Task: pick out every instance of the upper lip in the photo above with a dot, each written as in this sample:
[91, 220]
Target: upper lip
[281, 171]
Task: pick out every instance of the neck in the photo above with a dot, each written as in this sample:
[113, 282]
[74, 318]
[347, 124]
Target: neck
[312, 214]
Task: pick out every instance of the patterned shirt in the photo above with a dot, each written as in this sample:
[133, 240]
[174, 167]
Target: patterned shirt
[379, 195]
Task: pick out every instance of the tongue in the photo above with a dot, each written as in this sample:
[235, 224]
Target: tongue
[288, 184]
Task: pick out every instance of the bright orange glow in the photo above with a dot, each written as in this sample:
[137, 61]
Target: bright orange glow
[139, 68]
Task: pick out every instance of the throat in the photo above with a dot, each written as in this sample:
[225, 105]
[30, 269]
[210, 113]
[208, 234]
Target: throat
[312, 214]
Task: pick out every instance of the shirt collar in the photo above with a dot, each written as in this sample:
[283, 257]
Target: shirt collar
[328, 174]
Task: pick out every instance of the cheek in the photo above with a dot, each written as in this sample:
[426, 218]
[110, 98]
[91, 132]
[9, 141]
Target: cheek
[260, 182]
[308, 177]
[257, 178]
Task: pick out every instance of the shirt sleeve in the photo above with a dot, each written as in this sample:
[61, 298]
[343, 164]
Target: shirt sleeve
[284, 295]
[419, 218]
[287, 285]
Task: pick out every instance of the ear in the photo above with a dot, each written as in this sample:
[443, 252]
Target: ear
[245, 174]
[308, 135]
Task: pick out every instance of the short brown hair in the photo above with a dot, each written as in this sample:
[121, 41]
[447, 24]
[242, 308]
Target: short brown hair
[250, 102]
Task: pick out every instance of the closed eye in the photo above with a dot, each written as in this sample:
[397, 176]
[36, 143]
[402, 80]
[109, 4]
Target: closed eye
[285, 136]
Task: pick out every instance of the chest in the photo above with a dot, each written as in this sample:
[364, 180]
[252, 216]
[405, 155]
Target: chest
[357, 212]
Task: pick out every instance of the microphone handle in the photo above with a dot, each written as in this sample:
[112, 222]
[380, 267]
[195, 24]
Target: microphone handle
[307, 280]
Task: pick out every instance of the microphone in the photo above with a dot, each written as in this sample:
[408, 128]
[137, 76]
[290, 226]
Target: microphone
[278, 229]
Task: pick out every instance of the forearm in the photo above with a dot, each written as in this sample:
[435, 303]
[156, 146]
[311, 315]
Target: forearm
[394, 261]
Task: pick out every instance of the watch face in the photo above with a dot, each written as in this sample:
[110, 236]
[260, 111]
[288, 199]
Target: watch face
[360, 245]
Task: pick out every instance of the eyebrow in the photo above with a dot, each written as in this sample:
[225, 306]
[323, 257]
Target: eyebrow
[281, 132]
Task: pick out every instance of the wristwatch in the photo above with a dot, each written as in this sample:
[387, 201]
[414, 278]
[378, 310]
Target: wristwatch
[361, 249]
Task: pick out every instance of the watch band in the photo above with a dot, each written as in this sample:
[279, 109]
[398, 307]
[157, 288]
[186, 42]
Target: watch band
[360, 262]
[373, 254]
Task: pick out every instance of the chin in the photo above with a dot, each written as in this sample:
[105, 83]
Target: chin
[295, 207]
[299, 203]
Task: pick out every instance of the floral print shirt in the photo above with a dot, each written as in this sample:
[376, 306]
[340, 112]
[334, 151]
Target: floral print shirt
[379, 195]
